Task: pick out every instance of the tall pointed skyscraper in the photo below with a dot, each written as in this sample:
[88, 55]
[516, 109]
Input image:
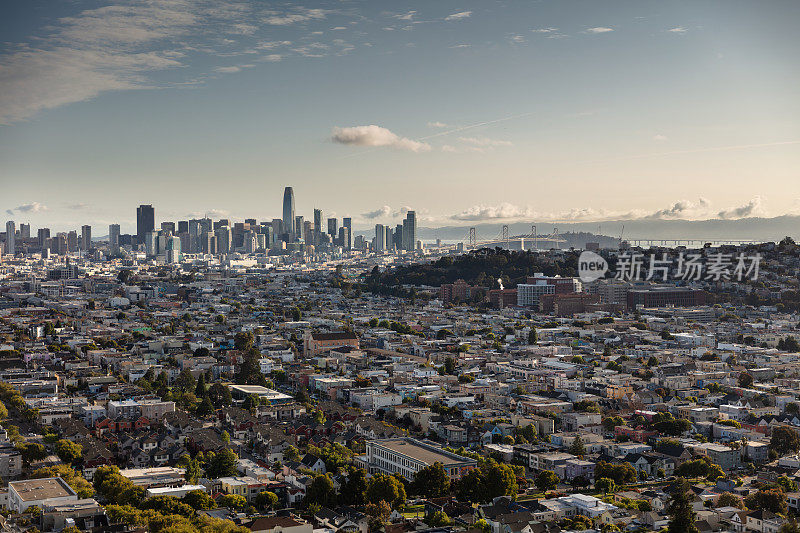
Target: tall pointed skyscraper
[288, 213]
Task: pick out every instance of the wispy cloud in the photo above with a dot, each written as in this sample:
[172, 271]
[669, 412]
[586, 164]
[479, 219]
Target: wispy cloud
[659, 137]
[33, 207]
[484, 141]
[376, 136]
[679, 29]
[459, 16]
[599, 29]
[298, 15]
[437, 124]
[504, 211]
[123, 46]
[381, 212]
[385, 212]
[544, 30]
[409, 15]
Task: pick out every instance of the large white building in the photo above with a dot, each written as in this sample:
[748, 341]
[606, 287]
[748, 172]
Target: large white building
[38, 492]
[528, 294]
[407, 456]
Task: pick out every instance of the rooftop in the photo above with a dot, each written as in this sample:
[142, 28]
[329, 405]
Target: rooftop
[422, 452]
[42, 489]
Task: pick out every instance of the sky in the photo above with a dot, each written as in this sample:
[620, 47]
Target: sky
[465, 111]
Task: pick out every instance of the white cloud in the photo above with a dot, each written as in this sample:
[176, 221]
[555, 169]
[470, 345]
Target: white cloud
[459, 16]
[659, 137]
[751, 209]
[679, 29]
[406, 16]
[516, 38]
[373, 135]
[211, 213]
[437, 124]
[78, 206]
[381, 212]
[544, 30]
[122, 46]
[682, 209]
[300, 15]
[599, 29]
[504, 211]
[33, 207]
[232, 69]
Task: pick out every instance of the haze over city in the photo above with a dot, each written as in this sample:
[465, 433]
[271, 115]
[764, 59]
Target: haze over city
[468, 112]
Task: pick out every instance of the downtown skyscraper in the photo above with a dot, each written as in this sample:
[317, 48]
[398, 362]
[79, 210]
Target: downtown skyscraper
[288, 213]
[145, 221]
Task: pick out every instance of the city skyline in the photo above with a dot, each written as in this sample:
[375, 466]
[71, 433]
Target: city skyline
[575, 108]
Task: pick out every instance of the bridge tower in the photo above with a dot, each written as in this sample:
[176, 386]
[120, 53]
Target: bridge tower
[505, 235]
[472, 238]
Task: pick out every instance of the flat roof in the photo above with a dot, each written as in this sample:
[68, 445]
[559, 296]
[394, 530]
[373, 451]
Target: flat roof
[426, 454]
[42, 489]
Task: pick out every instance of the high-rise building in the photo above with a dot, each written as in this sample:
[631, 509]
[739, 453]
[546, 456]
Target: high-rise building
[11, 237]
[298, 226]
[224, 239]
[113, 239]
[332, 224]
[344, 237]
[61, 245]
[317, 224]
[388, 239]
[288, 213]
[183, 226]
[398, 237]
[24, 231]
[151, 243]
[277, 229]
[410, 231]
[86, 237]
[347, 222]
[380, 238]
[168, 227]
[145, 221]
[44, 236]
[72, 241]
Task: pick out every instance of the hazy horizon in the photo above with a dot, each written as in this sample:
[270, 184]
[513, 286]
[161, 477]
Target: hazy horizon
[467, 112]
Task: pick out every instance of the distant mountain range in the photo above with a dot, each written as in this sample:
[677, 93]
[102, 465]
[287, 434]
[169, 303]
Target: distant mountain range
[756, 228]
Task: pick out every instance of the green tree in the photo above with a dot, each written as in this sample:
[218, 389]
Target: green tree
[770, 499]
[382, 487]
[546, 480]
[193, 471]
[233, 501]
[199, 500]
[605, 485]
[728, 499]
[68, 451]
[680, 511]
[185, 381]
[222, 464]
[220, 395]
[320, 492]
[745, 380]
[784, 440]
[200, 389]
[532, 337]
[577, 447]
[432, 481]
[352, 492]
[266, 500]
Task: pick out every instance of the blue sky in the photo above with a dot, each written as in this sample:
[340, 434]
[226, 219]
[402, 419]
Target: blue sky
[463, 110]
